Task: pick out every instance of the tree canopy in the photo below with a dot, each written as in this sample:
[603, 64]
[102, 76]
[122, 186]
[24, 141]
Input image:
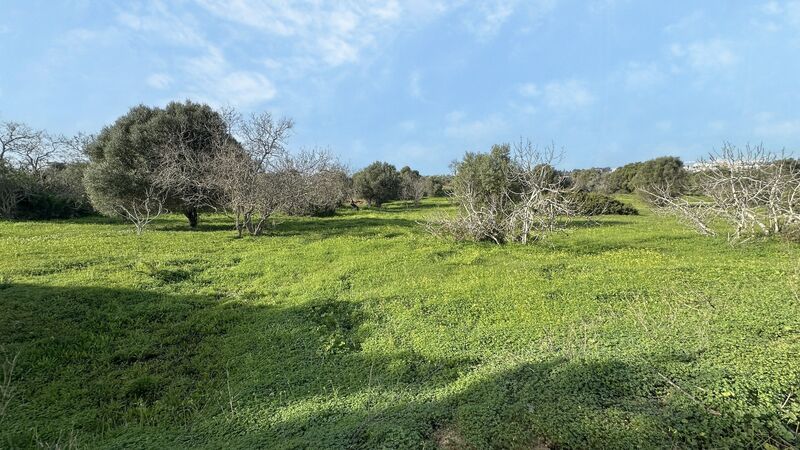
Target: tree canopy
[131, 156]
[377, 183]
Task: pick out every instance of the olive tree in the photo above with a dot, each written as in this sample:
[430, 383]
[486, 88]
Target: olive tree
[504, 197]
[155, 153]
[377, 183]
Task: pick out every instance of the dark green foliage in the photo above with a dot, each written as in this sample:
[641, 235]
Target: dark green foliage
[590, 180]
[663, 171]
[55, 193]
[666, 171]
[594, 203]
[438, 185]
[484, 173]
[377, 183]
[620, 180]
[125, 156]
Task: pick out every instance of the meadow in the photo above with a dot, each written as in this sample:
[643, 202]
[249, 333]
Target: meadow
[360, 330]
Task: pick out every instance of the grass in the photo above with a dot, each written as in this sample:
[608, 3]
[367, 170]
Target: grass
[362, 331]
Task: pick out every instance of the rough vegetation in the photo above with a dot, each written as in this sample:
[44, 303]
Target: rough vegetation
[362, 331]
[285, 319]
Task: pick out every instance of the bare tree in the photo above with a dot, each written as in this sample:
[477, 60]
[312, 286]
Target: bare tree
[315, 182]
[243, 175]
[13, 188]
[141, 211]
[525, 199]
[755, 191]
[537, 192]
[17, 138]
[413, 187]
[696, 214]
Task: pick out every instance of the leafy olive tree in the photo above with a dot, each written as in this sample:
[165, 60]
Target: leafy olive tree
[377, 183]
[154, 153]
[663, 171]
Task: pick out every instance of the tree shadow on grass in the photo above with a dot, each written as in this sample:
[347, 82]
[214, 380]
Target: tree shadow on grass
[349, 225]
[595, 223]
[119, 363]
[125, 367]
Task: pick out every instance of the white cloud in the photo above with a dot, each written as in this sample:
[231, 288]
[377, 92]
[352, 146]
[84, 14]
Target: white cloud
[408, 126]
[216, 82]
[490, 16]
[206, 76]
[159, 80]
[529, 90]
[337, 33]
[767, 125]
[567, 95]
[776, 12]
[707, 55]
[475, 129]
[154, 18]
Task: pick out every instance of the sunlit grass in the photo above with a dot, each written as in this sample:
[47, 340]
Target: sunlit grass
[362, 331]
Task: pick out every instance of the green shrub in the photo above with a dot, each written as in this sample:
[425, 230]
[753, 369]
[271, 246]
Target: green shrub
[593, 204]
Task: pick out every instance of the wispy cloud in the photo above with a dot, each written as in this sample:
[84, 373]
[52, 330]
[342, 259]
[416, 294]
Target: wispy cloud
[770, 126]
[713, 54]
[567, 95]
[529, 90]
[207, 75]
[336, 33]
[159, 80]
[489, 18]
[215, 79]
[458, 127]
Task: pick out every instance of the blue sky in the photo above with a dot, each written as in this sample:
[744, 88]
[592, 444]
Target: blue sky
[419, 82]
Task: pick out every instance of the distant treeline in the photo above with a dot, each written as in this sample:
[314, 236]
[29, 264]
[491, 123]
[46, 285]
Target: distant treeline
[190, 158]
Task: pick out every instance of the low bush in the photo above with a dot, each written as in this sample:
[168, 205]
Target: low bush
[595, 204]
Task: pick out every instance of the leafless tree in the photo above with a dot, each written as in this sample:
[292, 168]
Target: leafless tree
[755, 191]
[141, 211]
[185, 172]
[530, 200]
[537, 192]
[243, 176]
[413, 187]
[13, 188]
[696, 214]
[17, 138]
[315, 182]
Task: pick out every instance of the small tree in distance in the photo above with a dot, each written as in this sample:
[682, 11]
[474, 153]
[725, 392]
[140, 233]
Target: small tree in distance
[377, 183]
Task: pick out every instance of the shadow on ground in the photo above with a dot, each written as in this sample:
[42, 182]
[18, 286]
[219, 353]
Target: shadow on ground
[143, 368]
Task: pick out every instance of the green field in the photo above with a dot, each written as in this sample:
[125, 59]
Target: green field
[362, 331]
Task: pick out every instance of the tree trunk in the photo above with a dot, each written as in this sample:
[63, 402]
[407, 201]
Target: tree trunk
[191, 214]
